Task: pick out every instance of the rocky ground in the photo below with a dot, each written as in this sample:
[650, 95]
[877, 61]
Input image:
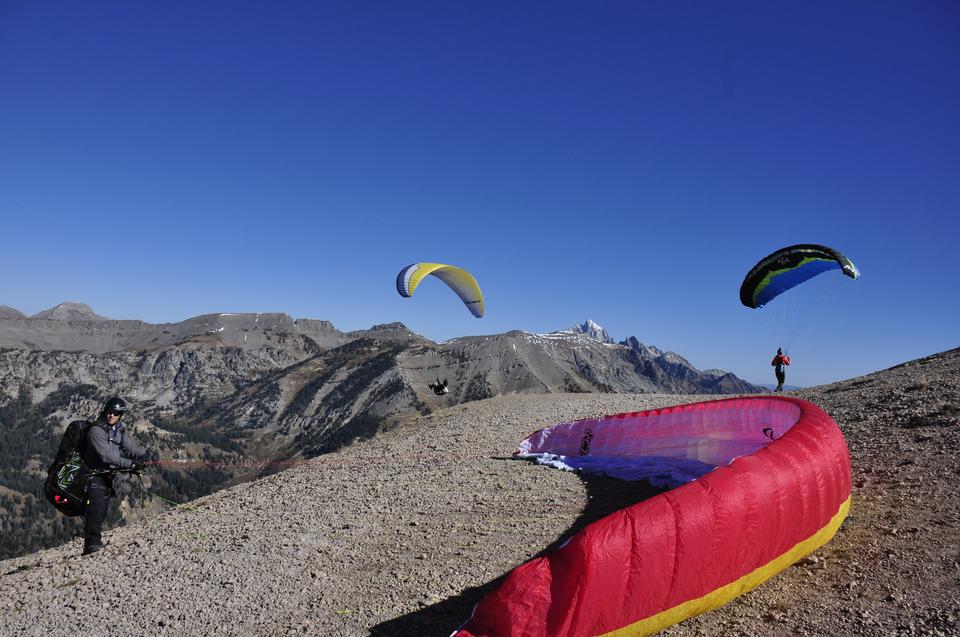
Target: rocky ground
[403, 534]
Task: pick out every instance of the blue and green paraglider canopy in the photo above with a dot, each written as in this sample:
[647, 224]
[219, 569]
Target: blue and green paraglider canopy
[789, 267]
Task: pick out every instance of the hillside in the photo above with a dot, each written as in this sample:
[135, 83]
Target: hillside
[234, 396]
[402, 534]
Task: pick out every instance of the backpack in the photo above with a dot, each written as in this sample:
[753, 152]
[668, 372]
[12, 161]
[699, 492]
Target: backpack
[65, 486]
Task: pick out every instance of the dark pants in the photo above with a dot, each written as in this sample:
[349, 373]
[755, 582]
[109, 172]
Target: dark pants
[99, 491]
[781, 376]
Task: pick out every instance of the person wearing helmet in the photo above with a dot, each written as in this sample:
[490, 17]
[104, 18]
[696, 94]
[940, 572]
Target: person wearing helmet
[780, 361]
[107, 449]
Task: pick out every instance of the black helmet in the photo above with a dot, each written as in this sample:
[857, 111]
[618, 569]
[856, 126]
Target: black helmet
[115, 405]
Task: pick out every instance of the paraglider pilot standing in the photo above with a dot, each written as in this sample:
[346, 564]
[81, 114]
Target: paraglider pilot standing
[107, 449]
[780, 361]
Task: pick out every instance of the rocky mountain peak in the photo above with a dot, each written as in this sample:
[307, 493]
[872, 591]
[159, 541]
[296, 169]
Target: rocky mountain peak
[714, 372]
[676, 359]
[391, 327]
[69, 311]
[9, 312]
[649, 351]
[592, 330]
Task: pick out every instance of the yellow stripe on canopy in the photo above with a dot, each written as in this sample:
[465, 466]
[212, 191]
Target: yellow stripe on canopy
[458, 279]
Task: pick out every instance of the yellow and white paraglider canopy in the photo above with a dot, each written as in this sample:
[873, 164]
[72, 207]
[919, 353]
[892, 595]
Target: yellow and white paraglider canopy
[458, 279]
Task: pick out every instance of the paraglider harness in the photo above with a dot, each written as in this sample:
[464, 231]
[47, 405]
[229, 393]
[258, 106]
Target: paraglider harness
[65, 487]
[779, 362]
[67, 476]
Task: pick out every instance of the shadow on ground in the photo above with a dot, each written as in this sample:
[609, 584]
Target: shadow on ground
[605, 495]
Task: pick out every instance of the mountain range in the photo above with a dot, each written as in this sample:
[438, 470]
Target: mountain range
[244, 393]
[405, 533]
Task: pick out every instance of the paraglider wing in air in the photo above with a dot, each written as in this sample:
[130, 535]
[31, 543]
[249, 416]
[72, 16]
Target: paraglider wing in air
[458, 279]
[789, 267]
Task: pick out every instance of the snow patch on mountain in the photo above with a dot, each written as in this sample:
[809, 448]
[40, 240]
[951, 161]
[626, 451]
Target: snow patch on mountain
[592, 330]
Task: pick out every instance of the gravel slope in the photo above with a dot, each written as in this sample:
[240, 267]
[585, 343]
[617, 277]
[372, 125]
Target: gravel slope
[403, 534]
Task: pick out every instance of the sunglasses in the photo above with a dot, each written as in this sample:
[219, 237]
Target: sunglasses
[113, 412]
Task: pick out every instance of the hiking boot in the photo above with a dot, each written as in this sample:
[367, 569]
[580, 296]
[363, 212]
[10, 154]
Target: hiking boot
[92, 548]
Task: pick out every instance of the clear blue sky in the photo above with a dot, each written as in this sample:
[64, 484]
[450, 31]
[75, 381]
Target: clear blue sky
[622, 161]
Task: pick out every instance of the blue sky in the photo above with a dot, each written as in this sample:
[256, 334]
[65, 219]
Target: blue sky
[621, 161]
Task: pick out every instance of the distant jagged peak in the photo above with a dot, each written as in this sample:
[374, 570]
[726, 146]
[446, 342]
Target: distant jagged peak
[70, 312]
[714, 372]
[676, 359]
[648, 350]
[590, 330]
[11, 313]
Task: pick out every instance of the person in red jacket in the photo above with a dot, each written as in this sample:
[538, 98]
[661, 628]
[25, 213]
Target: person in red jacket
[780, 362]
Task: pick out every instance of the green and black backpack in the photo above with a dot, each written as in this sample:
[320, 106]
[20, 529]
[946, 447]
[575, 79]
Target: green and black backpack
[66, 481]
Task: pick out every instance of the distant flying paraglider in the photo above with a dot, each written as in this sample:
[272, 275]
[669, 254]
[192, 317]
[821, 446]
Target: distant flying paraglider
[780, 273]
[458, 279]
[439, 388]
[789, 267]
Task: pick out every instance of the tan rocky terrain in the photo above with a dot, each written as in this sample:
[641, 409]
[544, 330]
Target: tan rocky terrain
[402, 534]
[233, 392]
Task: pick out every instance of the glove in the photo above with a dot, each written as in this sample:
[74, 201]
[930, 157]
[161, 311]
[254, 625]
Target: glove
[137, 466]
